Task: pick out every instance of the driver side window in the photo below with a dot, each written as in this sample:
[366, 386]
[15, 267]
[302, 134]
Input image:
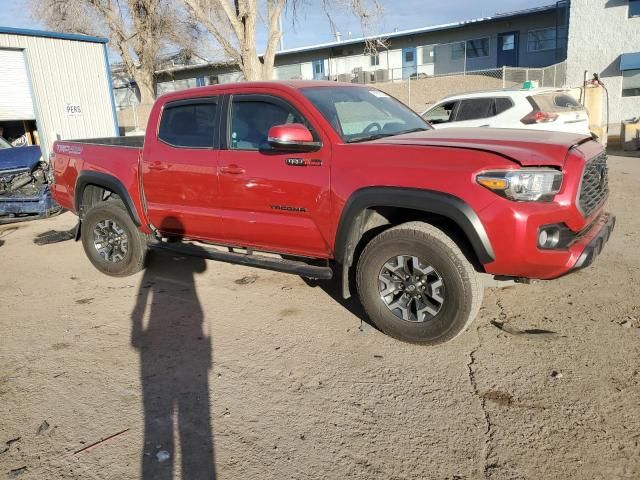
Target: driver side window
[252, 119]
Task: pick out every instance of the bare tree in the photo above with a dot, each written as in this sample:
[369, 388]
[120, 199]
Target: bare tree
[233, 25]
[138, 30]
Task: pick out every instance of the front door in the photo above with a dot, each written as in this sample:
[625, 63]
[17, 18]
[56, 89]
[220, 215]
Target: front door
[273, 200]
[318, 70]
[508, 49]
[409, 63]
[180, 170]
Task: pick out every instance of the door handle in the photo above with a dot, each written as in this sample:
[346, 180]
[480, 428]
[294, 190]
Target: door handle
[232, 169]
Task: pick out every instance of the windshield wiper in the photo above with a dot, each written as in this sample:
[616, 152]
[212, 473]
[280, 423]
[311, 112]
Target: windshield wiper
[366, 138]
[413, 130]
[376, 136]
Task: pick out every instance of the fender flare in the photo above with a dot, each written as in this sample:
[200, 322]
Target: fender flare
[353, 217]
[109, 182]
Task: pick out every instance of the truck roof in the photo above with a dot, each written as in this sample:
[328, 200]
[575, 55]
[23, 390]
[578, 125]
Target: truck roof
[286, 84]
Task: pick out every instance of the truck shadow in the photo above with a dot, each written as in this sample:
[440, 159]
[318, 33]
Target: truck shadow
[333, 288]
[175, 359]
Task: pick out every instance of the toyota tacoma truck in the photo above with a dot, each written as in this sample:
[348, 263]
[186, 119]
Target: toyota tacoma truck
[323, 179]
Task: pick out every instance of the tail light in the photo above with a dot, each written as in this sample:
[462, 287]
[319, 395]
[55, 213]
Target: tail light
[538, 116]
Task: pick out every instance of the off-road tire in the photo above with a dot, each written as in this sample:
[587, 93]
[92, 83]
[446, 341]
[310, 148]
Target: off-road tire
[134, 259]
[463, 287]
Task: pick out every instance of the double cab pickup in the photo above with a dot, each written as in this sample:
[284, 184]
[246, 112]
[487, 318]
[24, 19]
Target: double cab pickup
[340, 180]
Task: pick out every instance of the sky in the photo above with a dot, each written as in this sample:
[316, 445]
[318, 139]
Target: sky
[313, 27]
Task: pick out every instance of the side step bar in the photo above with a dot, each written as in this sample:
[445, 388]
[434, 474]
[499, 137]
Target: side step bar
[278, 264]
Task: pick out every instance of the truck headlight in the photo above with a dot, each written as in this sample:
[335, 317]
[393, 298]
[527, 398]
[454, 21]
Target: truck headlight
[524, 185]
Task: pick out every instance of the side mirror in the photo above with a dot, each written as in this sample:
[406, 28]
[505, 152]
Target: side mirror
[293, 137]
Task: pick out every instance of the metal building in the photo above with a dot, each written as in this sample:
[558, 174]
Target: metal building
[55, 85]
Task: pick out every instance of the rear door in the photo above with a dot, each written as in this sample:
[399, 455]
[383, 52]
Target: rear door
[318, 70]
[180, 170]
[272, 200]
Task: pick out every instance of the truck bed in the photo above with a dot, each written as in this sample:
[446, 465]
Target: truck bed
[83, 160]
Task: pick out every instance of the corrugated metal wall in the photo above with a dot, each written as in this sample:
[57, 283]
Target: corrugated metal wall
[64, 72]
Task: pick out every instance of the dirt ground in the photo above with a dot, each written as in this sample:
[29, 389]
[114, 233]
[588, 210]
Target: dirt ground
[202, 369]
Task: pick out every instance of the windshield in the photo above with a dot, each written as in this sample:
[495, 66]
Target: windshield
[4, 143]
[361, 114]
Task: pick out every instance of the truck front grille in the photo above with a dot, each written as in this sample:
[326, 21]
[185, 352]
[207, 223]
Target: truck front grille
[594, 189]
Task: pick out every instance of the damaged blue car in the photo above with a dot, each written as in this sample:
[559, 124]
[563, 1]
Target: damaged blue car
[24, 184]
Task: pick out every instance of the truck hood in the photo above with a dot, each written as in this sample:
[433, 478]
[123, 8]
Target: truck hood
[526, 147]
[19, 158]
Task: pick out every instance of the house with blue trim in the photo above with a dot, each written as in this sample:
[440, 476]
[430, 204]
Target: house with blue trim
[535, 37]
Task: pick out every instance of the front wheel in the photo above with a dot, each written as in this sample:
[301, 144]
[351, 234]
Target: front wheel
[417, 286]
[112, 241]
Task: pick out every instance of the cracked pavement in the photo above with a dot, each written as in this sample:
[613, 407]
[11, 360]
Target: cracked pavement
[287, 383]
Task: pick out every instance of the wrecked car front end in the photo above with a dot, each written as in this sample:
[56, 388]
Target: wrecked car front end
[24, 185]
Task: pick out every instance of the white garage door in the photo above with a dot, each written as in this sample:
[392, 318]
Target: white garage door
[15, 95]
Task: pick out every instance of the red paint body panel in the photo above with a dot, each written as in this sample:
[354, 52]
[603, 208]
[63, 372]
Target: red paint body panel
[71, 158]
[252, 199]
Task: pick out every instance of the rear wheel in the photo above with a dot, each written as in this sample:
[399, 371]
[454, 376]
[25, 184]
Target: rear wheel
[112, 241]
[416, 285]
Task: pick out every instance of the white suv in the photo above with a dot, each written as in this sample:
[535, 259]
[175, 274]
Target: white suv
[535, 108]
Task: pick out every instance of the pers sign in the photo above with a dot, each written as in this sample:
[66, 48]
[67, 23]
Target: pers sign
[73, 110]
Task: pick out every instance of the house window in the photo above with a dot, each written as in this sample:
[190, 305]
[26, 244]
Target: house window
[375, 60]
[457, 50]
[409, 56]
[428, 55]
[634, 8]
[508, 42]
[562, 35]
[631, 83]
[478, 48]
[541, 40]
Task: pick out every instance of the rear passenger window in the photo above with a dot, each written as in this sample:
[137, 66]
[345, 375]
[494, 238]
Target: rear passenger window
[188, 125]
[502, 105]
[475, 108]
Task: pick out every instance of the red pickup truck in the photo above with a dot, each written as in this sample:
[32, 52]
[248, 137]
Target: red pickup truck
[340, 179]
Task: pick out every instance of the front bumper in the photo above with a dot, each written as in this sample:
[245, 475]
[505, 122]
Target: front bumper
[39, 203]
[606, 224]
[514, 239]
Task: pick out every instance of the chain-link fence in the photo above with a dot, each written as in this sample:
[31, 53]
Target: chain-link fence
[420, 91]
[414, 86]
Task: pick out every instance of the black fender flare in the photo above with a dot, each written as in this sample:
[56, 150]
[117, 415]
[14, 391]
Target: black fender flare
[353, 219]
[109, 182]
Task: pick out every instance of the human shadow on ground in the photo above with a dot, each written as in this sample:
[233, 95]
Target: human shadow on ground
[175, 359]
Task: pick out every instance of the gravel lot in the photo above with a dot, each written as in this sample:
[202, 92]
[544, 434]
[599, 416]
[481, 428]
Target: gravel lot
[282, 381]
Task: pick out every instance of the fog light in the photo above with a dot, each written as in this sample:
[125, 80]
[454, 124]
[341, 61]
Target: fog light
[548, 238]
